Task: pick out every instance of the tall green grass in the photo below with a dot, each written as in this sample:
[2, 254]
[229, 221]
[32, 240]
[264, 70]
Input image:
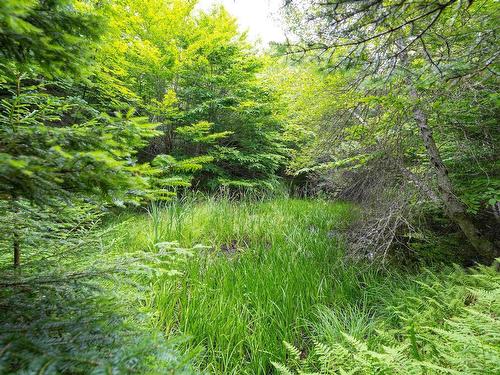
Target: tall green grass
[268, 267]
[274, 271]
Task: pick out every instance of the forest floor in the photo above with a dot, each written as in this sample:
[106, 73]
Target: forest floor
[260, 273]
[213, 285]
[250, 276]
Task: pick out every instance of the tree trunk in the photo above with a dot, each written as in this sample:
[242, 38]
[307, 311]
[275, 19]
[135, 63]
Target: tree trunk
[454, 208]
[421, 185]
[17, 249]
[16, 240]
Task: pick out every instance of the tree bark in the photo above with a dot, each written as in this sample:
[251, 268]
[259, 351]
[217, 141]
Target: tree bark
[17, 249]
[16, 240]
[421, 185]
[454, 208]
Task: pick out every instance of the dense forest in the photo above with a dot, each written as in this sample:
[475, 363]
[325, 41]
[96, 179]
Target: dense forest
[177, 198]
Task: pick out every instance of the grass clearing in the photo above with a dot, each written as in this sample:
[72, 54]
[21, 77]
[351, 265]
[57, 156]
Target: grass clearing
[271, 289]
[270, 272]
[434, 323]
[268, 268]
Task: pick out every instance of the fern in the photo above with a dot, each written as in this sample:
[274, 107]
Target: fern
[452, 326]
[292, 350]
[282, 369]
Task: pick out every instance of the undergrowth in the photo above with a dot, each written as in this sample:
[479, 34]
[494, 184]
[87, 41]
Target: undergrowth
[239, 287]
[74, 306]
[263, 269]
[448, 323]
[271, 271]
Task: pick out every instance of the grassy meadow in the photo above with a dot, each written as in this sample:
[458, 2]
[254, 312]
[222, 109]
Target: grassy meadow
[262, 283]
[260, 273]
[212, 285]
[260, 278]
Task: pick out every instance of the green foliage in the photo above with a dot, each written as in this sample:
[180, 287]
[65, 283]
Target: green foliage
[201, 86]
[264, 268]
[200, 133]
[75, 307]
[449, 326]
[55, 143]
[403, 117]
[53, 146]
[105, 105]
[383, 62]
[55, 35]
[62, 155]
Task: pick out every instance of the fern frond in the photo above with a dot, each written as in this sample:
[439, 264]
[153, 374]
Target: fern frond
[282, 369]
[292, 350]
